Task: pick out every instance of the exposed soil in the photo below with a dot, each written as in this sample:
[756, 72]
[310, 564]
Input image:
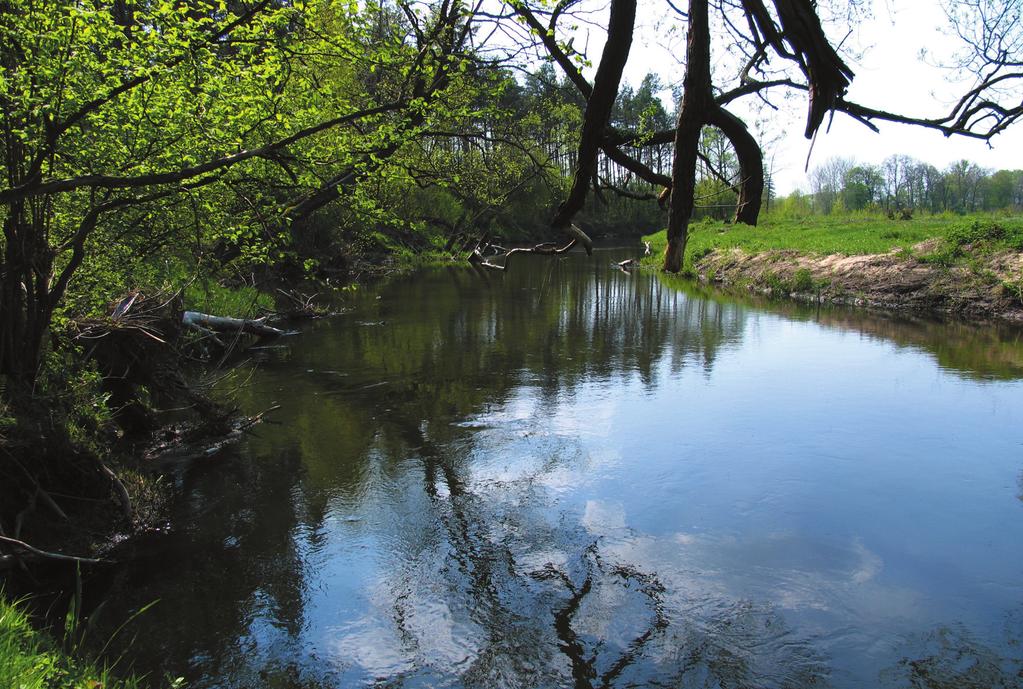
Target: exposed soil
[980, 287]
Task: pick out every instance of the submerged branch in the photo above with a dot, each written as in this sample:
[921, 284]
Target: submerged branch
[6, 559]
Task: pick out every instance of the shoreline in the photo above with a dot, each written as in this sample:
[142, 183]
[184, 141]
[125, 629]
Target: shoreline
[990, 288]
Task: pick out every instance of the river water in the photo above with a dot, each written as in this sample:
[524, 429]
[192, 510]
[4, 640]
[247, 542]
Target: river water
[566, 475]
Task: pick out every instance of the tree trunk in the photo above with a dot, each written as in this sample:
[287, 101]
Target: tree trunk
[25, 304]
[598, 112]
[751, 165]
[697, 102]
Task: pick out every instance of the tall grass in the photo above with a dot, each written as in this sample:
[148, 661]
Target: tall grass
[30, 659]
[239, 301]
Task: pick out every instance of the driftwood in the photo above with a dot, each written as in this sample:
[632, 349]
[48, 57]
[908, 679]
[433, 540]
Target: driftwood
[302, 306]
[176, 454]
[477, 257]
[122, 493]
[223, 324]
[138, 347]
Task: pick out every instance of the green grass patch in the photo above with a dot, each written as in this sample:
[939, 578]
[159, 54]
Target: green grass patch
[235, 301]
[854, 235]
[979, 237]
[30, 659]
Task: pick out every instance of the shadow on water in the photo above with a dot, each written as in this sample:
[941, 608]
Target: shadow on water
[408, 519]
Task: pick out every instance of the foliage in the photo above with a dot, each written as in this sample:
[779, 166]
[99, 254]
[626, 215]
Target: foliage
[240, 301]
[901, 183]
[977, 237]
[31, 660]
[202, 134]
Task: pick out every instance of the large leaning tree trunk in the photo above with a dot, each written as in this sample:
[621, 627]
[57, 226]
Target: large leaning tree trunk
[751, 164]
[697, 101]
[800, 38]
[598, 111]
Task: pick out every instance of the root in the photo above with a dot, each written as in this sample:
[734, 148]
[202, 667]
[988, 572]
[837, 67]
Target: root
[122, 492]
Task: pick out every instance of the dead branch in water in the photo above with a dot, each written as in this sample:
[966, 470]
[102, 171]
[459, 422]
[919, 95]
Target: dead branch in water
[545, 249]
[174, 454]
[8, 560]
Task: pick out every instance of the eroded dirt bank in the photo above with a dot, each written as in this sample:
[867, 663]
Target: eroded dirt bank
[983, 287]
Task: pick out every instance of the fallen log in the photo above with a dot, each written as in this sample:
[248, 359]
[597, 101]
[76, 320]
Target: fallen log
[224, 324]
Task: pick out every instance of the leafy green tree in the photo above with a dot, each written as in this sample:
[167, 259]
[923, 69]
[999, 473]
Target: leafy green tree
[1003, 190]
[861, 187]
[175, 125]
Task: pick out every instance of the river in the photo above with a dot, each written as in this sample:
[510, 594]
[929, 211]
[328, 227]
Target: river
[567, 475]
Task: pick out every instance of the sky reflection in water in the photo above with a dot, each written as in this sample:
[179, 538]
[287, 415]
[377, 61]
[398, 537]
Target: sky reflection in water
[568, 476]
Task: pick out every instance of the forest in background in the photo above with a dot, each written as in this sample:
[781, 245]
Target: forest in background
[901, 183]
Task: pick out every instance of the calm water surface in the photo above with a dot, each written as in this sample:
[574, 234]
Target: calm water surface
[570, 476]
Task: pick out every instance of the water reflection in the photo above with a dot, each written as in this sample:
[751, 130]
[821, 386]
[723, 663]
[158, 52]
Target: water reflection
[979, 351]
[569, 476]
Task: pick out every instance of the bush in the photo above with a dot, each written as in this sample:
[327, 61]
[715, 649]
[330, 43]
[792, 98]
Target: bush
[802, 281]
[976, 232]
[977, 237]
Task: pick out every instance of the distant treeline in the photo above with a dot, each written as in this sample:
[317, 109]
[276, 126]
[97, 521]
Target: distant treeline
[903, 184]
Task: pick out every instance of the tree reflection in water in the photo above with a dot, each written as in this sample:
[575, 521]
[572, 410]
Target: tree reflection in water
[405, 522]
[550, 606]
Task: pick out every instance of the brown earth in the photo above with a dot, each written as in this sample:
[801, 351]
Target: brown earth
[980, 287]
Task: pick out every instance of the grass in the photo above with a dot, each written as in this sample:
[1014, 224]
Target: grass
[235, 301]
[856, 234]
[30, 659]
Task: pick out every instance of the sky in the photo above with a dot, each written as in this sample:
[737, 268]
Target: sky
[890, 75]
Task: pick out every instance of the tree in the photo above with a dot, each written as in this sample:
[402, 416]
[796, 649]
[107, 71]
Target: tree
[791, 31]
[274, 109]
[1003, 190]
[963, 183]
[826, 182]
[796, 36]
[861, 187]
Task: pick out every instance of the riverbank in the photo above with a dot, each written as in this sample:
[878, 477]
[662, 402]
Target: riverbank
[126, 399]
[968, 267]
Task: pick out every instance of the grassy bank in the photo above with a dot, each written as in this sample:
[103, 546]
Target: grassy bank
[30, 659]
[970, 265]
[848, 235]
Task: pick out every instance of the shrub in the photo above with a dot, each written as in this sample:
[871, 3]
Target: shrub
[802, 281]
